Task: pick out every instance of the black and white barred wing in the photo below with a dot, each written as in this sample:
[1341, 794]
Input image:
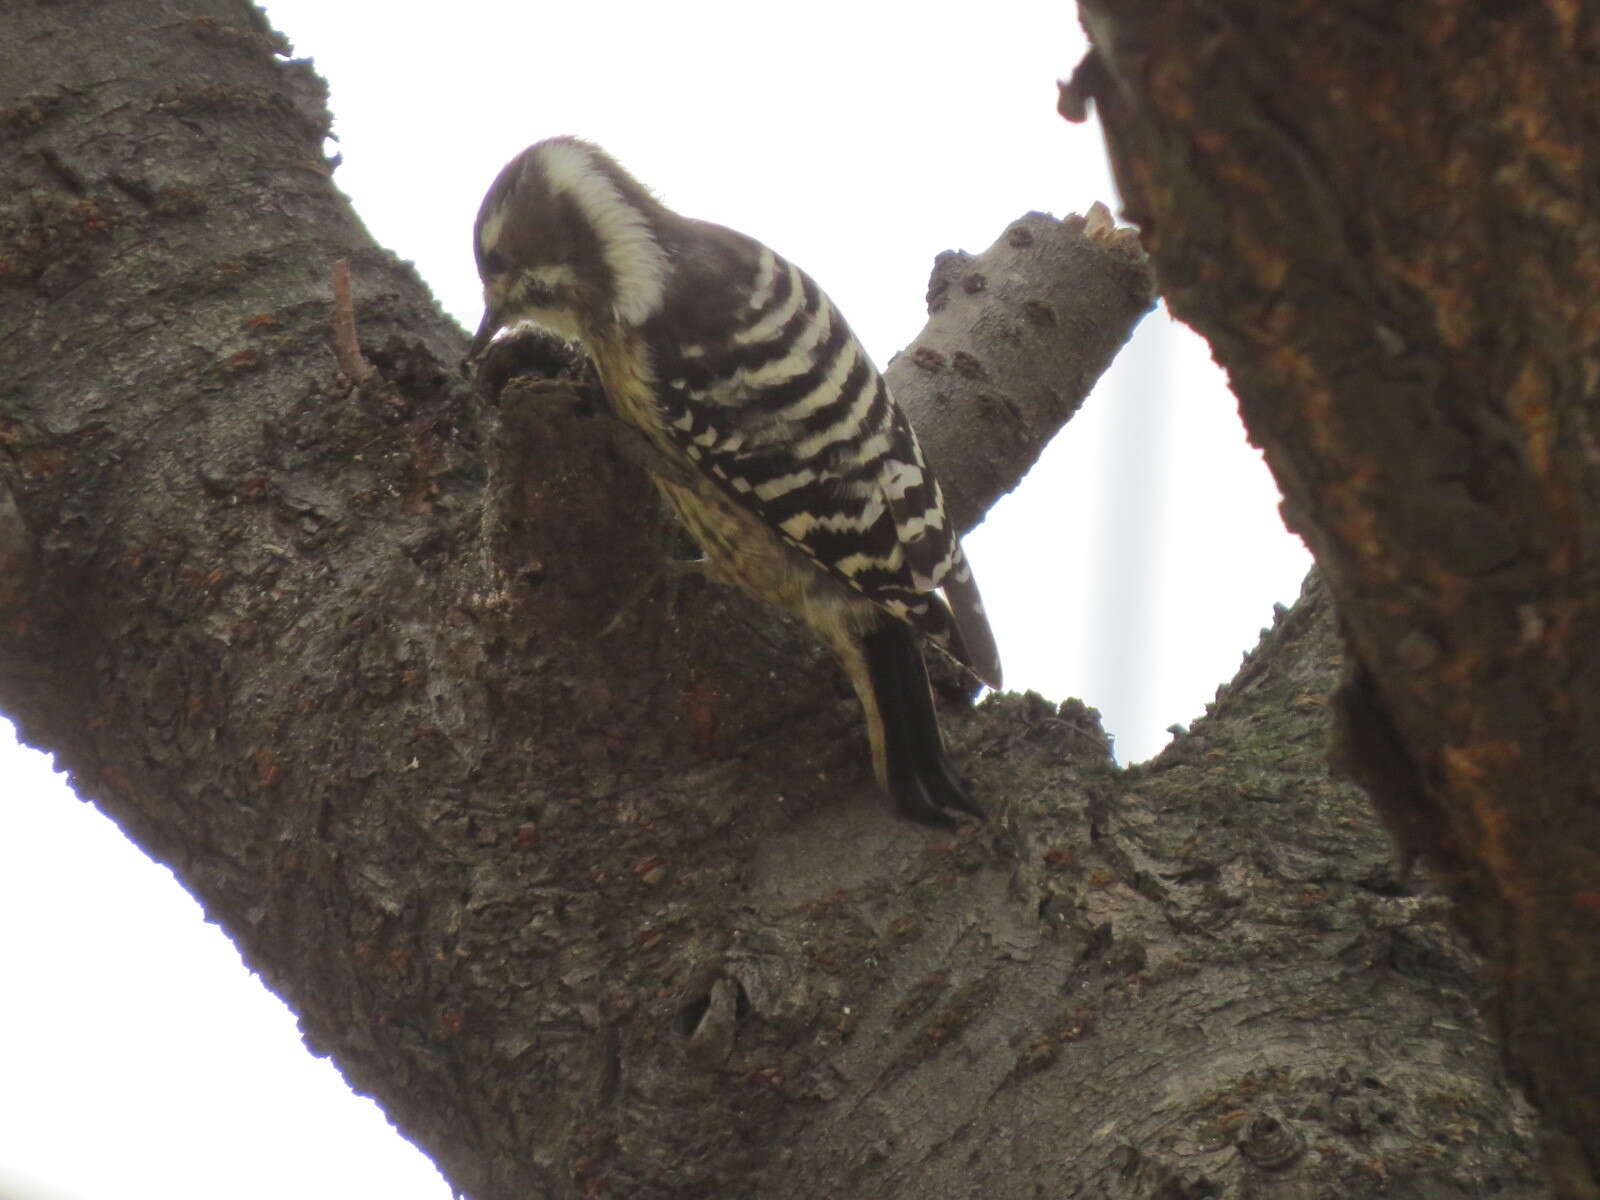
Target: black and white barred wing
[772, 395]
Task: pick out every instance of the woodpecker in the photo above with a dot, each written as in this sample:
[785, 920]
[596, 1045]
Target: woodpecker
[803, 482]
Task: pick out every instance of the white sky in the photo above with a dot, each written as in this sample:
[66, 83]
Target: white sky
[1132, 568]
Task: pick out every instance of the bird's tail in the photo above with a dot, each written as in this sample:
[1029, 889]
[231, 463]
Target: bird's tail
[903, 726]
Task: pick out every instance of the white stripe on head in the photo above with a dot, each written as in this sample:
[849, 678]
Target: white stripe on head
[635, 259]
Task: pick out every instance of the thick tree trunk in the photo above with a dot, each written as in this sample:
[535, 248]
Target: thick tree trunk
[593, 891]
[1386, 220]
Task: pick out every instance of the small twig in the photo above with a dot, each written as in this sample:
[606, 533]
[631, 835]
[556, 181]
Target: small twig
[345, 346]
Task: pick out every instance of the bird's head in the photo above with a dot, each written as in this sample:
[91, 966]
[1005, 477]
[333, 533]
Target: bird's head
[570, 241]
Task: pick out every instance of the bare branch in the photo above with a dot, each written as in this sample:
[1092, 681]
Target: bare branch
[1016, 337]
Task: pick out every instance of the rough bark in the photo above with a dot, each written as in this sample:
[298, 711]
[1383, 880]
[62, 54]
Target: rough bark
[578, 871]
[1386, 220]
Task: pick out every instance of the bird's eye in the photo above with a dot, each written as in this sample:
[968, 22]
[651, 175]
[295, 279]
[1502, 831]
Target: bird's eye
[495, 263]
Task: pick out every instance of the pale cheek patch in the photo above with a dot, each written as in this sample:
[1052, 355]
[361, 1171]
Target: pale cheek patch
[557, 275]
[490, 229]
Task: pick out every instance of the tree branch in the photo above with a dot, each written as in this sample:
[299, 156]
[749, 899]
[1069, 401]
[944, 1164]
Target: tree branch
[1385, 223]
[1016, 338]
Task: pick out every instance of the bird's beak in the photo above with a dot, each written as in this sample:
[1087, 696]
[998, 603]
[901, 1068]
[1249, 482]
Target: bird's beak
[486, 331]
